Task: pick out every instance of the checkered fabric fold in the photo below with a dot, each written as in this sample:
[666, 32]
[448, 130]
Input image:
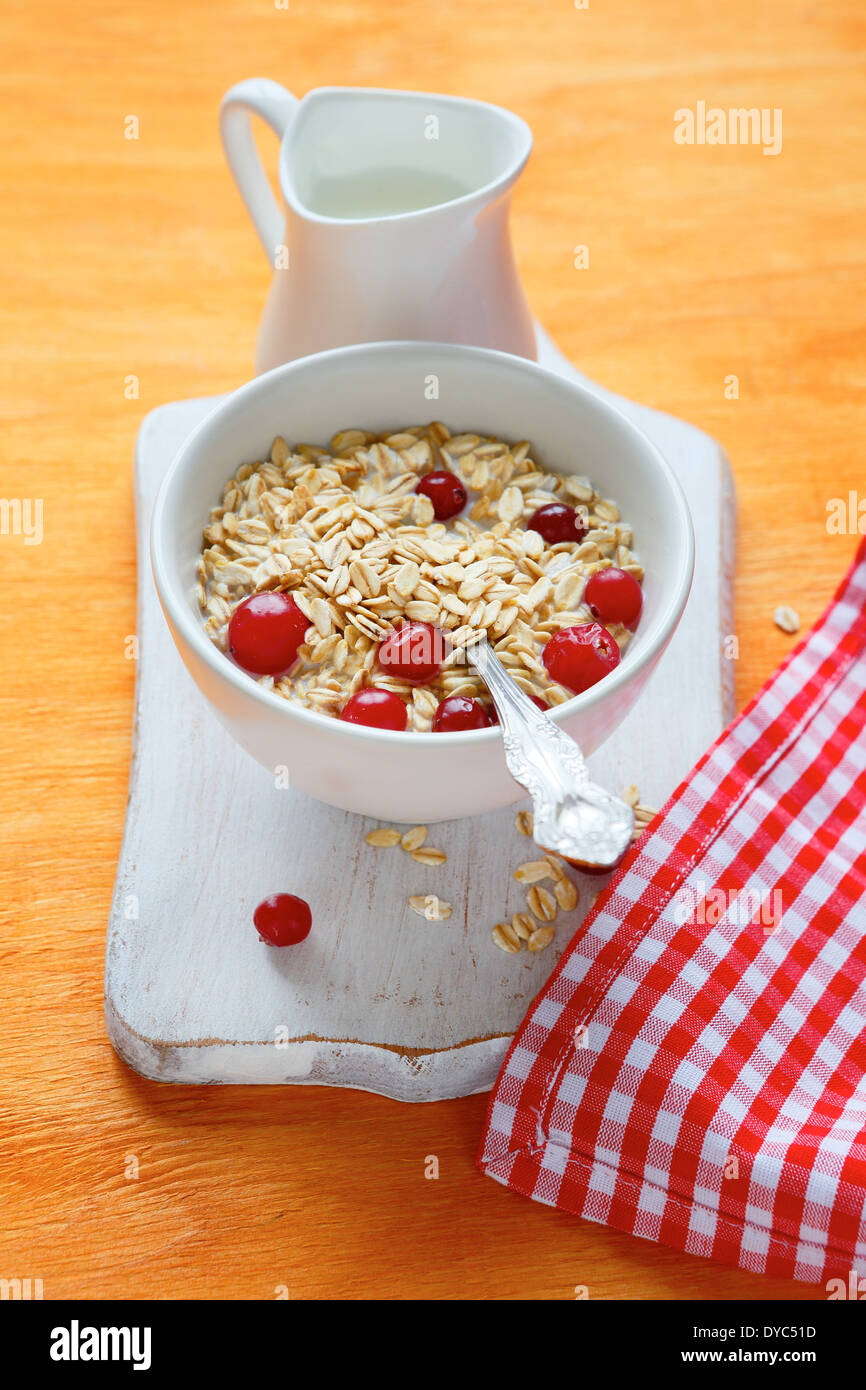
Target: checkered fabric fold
[694, 1072]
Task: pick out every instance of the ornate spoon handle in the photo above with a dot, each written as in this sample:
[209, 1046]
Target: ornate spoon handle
[573, 816]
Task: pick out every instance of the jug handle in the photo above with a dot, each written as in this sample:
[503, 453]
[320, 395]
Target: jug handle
[275, 106]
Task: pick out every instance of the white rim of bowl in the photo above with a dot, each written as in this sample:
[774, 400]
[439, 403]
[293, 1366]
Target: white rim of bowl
[224, 668]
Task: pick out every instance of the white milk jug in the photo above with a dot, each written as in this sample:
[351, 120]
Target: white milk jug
[396, 221]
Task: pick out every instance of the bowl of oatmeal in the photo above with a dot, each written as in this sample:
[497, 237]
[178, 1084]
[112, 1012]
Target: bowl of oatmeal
[329, 541]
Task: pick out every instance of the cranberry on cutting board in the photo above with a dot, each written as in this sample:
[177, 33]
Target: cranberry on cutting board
[283, 919]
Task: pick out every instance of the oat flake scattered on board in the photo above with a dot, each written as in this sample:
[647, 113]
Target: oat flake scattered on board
[431, 907]
[524, 822]
[506, 938]
[383, 838]
[787, 618]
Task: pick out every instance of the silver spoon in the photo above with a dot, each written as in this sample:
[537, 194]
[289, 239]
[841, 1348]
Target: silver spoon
[573, 817]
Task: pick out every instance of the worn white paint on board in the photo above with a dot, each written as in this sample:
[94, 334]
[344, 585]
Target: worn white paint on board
[376, 997]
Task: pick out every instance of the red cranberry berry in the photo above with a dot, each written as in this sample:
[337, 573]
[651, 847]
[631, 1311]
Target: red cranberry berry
[536, 700]
[445, 491]
[413, 652]
[577, 657]
[282, 919]
[265, 632]
[458, 713]
[614, 596]
[378, 709]
[557, 522]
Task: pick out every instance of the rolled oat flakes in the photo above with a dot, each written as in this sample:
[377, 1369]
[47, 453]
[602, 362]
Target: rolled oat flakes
[343, 532]
[413, 839]
[506, 938]
[541, 903]
[383, 838]
[540, 939]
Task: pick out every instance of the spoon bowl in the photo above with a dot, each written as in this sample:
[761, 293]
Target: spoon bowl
[573, 817]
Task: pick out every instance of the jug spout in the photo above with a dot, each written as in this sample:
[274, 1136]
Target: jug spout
[396, 219]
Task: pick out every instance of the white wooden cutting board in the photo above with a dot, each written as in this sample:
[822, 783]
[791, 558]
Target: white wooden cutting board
[376, 997]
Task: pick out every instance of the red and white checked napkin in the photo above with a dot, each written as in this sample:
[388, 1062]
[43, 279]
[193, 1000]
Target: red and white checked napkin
[694, 1072]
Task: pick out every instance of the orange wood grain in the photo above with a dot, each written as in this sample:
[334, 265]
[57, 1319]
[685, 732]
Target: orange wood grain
[135, 258]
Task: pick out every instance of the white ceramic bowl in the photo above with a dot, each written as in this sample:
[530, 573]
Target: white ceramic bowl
[411, 776]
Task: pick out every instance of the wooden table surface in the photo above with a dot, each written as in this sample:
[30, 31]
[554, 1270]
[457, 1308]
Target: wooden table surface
[134, 259]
